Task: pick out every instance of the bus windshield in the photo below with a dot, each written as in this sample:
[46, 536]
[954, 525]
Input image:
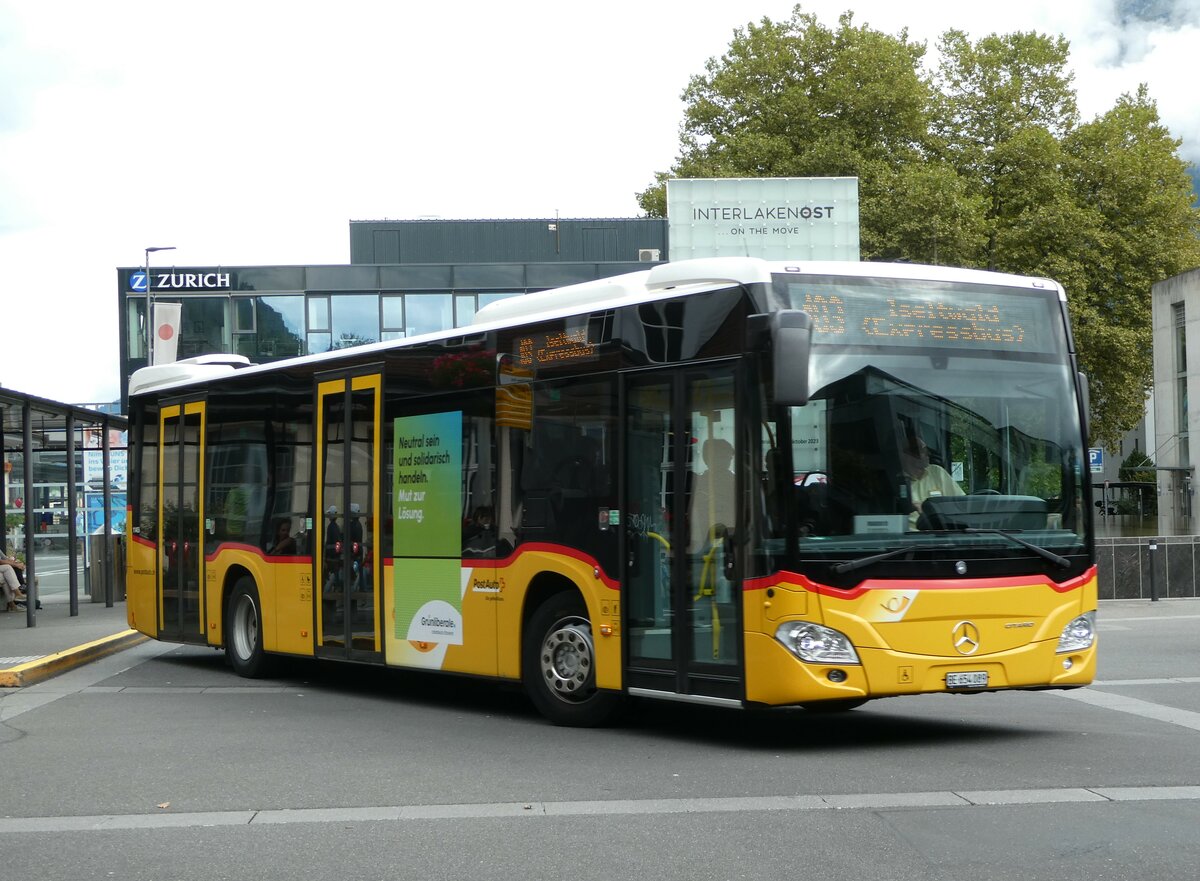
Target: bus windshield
[943, 429]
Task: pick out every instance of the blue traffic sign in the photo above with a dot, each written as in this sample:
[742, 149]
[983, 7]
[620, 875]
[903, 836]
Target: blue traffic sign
[1096, 459]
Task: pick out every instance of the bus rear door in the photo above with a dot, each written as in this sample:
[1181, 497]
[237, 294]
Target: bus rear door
[180, 569]
[345, 575]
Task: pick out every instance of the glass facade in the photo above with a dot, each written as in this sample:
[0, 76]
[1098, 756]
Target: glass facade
[273, 327]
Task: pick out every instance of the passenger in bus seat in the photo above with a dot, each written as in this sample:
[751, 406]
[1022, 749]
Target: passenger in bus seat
[282, 542]
[479, 538]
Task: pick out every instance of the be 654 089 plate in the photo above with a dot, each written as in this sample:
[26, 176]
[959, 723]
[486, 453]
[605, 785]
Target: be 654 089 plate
[967, 679]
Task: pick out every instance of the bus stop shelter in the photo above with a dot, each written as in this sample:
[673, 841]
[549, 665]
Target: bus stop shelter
[33, 427]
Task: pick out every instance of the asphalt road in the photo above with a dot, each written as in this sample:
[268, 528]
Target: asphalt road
[160, 763]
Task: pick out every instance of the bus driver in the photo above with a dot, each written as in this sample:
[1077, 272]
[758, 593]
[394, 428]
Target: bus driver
[924, 478]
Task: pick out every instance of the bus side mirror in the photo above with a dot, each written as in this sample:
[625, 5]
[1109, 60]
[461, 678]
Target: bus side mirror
[791, 347]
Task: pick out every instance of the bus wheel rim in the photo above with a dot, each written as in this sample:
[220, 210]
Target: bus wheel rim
[568, 659]
[245, 631]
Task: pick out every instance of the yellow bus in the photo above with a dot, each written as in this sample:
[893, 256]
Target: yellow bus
[733, 482]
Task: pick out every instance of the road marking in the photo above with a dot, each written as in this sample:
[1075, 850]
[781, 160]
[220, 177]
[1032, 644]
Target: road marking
[619, 807]
[1118, 683]
[1145, 709]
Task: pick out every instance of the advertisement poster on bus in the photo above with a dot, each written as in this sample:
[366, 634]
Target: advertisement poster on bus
[427, 533]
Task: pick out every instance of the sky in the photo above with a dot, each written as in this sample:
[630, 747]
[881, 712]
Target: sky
[252, 132]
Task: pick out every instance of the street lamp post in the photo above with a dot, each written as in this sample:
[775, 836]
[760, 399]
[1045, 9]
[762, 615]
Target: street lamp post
[150, 301]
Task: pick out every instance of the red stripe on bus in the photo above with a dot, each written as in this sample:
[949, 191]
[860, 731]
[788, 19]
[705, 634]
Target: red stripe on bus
[795, 578]
[538, 547]
[258, 552]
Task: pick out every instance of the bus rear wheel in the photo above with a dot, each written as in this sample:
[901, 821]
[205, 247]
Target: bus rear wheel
[243, 630]
[559, 665]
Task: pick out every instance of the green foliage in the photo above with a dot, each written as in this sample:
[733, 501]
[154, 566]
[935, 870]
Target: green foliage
[1137, 466]
[982, 162]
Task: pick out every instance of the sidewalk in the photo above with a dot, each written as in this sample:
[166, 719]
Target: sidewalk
[59, 642]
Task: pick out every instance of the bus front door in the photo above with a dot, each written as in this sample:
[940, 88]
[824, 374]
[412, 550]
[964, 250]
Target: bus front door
[682, 580]
[180, 576]
[345, 575]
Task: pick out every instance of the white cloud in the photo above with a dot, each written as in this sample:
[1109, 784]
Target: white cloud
[252, 132]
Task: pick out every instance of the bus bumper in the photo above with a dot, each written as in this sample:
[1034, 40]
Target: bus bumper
[779, 678]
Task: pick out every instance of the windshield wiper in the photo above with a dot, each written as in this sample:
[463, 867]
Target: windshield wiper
[851, 565]
[1041, 552]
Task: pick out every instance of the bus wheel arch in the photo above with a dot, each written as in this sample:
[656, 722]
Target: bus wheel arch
[243, 627]
[558, 656]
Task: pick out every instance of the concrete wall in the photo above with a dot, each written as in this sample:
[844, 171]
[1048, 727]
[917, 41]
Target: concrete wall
[1176, 496]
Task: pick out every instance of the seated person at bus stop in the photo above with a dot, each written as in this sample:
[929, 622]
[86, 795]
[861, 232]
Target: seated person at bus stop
[7, 559]
[10, 588]
[925, 479]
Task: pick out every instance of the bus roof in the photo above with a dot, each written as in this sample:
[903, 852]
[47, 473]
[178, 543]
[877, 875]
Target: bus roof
[660, 282]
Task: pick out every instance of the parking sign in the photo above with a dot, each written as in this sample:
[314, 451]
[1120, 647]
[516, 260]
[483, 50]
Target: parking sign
[1096, 459]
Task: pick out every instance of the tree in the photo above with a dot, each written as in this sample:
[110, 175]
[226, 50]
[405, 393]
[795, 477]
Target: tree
[1138, 468]
[797, 99]
[981, 163]
[1125, 169]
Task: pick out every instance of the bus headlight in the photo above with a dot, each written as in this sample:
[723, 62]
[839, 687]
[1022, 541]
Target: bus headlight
[816, 644]
[1079, 634]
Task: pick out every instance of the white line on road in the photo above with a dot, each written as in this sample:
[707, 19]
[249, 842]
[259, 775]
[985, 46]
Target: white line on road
[620, 807]
[1145, 709]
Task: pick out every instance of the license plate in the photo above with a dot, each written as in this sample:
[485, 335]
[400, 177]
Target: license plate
[972, 679]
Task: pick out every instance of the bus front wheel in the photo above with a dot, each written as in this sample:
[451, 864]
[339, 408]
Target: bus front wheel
[559, 665]
[243, 630]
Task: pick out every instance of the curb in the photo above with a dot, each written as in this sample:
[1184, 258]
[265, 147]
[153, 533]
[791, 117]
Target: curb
[43, 668]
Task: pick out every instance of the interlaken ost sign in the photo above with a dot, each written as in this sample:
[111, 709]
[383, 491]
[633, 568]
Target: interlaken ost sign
[780, 218]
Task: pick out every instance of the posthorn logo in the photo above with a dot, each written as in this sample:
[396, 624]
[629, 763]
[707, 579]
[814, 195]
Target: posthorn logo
[137, 282]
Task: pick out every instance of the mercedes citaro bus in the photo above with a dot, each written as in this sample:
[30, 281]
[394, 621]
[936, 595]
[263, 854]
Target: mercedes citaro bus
[729, 481]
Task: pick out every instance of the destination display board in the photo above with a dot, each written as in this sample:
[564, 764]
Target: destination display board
[937, 316]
